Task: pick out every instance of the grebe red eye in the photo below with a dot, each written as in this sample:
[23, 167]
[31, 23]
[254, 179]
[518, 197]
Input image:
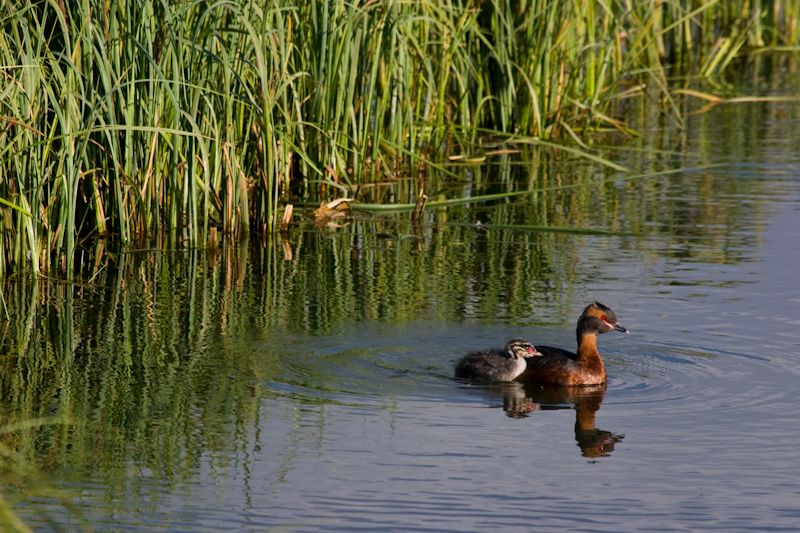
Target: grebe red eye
[603, 318]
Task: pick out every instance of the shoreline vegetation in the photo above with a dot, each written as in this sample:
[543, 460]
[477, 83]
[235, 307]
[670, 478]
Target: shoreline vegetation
[196, 118]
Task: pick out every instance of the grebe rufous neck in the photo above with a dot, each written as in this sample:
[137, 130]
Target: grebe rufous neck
[561, 367]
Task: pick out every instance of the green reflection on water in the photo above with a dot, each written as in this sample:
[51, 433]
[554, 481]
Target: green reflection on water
[157, 360]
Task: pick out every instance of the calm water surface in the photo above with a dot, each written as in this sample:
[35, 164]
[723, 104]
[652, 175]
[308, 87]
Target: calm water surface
[242, 391]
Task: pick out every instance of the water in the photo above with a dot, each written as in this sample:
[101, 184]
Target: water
[241, 391]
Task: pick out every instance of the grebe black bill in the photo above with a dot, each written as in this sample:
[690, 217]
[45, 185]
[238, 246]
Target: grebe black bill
[562, 367]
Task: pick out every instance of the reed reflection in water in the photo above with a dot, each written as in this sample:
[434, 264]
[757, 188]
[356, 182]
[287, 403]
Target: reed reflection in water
[237, 389]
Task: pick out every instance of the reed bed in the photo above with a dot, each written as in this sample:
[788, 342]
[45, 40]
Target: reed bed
[187, 118]
[94, 363]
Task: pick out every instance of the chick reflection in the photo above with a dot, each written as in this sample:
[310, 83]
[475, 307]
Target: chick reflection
[519, 401]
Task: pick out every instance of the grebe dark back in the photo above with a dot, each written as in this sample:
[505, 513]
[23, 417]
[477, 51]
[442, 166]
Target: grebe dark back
[497, 365]
[562, 367]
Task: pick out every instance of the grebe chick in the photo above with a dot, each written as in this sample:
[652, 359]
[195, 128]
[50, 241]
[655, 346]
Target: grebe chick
[496, 365]
[561, 367]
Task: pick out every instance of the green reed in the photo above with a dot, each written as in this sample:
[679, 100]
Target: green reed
[145, 117]
[125, 364]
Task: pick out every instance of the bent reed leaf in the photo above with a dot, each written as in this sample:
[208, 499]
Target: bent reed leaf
[170, 119]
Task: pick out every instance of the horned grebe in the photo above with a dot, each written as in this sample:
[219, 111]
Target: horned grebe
[561, 367]
[497, 365]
